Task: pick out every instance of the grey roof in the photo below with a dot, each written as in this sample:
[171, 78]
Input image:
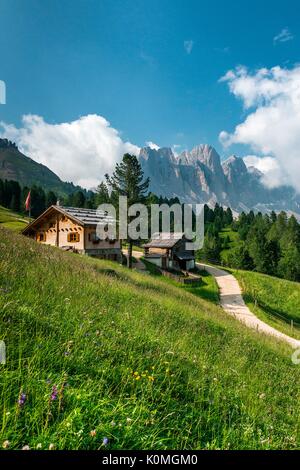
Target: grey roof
[162, 243]
[186, 256]
[86, 216]
[164, 240]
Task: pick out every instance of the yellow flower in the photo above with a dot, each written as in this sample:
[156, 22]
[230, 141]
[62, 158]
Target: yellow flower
[93, 433]
[138, 377]
[6, 444]
[151, 378]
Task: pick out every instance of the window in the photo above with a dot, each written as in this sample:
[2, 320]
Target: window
[41, 237]
[92, 236]
[73, 237]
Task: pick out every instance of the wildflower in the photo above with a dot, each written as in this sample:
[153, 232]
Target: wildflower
[6, 444]
[54, 393]
[51, 447]
[93, 433]
[137, 377]
[105, 441]
[262, 396]
[151, 378]
[26, 447]
[112, 423]
[66, 353]
[22, 399]
[128, 420]
[39, 446]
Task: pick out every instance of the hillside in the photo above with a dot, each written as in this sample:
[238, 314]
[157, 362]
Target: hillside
[96, 351]
[16, 166]
[275, 301]
[12, 220]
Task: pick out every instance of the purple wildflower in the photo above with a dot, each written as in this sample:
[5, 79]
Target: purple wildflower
[66, 353]
[54, 393]
[105, 441]
[22, 399]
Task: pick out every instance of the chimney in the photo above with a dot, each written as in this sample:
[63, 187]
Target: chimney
[58, 202]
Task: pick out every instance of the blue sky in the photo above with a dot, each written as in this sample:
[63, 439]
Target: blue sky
[151, 68]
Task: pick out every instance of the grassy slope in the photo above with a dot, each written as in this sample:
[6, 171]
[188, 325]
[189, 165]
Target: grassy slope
[142, 362]
[277, 300]
[12, 220]
[234, 242]
[207, 289]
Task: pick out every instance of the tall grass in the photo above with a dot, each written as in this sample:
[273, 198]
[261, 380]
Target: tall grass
[276, 301]
[95, 351]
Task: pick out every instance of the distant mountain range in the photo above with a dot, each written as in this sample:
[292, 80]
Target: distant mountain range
[200, 176]
[16, 166]
[193, 176]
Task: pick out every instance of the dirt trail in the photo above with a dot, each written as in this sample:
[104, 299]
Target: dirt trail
[233, 303]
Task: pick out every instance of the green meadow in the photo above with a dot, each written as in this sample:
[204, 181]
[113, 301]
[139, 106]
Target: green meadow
[276, 301]
[101, 357]
[12, 220]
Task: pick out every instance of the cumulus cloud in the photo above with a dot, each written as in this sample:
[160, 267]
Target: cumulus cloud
[188, 45]
[271, 128]
[284, 36]
[272, 174]
[152, 145]
[81, 151]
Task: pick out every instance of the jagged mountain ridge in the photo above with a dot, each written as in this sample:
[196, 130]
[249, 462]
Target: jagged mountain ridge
[199, 176]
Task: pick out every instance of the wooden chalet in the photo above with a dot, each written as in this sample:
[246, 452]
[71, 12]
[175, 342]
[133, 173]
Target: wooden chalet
[72, 228]
[168, 250]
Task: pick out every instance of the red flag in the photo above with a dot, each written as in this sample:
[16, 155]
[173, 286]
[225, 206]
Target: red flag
[28, 201]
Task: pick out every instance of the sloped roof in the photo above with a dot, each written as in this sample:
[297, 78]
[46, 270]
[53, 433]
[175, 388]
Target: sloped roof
[164, 240]
[83, 217]
[86, 216]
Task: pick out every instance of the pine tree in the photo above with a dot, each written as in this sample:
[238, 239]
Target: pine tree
[127, 180]
[51, 199]
[102, 194]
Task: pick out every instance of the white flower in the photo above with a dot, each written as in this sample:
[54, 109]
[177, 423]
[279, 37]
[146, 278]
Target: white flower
[6, 444]
[51, 447]
[26, 447]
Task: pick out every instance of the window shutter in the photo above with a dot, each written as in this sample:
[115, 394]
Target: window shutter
[69, 237]
[77, 236]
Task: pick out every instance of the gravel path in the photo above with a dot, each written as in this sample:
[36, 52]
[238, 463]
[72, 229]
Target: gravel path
[233, 303]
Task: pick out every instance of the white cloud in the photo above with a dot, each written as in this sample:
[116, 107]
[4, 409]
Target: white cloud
[81, 151]
[284, 36]
[152, 145]
[188, 45]
[273, 174]
[272, 126]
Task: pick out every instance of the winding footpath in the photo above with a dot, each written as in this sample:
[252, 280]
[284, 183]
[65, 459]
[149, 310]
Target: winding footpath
[232, 302]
